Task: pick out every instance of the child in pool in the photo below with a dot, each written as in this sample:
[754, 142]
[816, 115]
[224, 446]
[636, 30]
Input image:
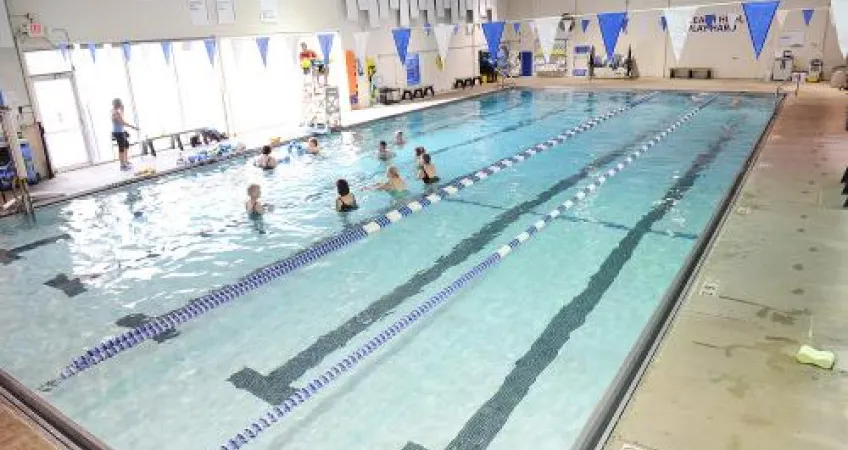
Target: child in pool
[427, 171]
[312, 146]
[345, 202]
[399, 139]
[383, 152]
[265, 160]
[254, 206]
[419, 153]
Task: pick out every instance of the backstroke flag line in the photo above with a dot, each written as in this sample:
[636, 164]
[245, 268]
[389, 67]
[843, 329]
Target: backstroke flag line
[677, 21]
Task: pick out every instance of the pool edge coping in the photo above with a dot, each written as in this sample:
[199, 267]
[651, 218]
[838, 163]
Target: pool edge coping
[605, 416]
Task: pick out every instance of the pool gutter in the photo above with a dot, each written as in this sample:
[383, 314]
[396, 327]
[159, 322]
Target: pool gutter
[45, 419]
[600, 425]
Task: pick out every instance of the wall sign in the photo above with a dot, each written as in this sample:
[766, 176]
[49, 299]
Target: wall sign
[413, 69]
[794, 39]
[713, 23]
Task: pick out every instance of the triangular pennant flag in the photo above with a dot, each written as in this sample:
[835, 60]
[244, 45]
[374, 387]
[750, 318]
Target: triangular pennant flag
[166, 50]
[262, 45]
[839, 15]
[444, 34]
[678, 20]
[401, 36]
[808, 15]
[325, 41]
[456, 29]
[624, 24]
[126, 48]
[360, 44]
[546, 31]
[92, 48]
[493, 31]
[211, 45]
[611, 24]
[710, 20]
[759, 16]
[663, 23]
[469, 28]
[516, 27]
[585, 24]
[781, 18]
[428, 28]
[64, 49]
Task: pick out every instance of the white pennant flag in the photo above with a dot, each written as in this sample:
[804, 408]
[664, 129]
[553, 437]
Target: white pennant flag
[444, 34]
[781, 18]
[678, 20]
[361, 44]
[546, 31]
[839, 15]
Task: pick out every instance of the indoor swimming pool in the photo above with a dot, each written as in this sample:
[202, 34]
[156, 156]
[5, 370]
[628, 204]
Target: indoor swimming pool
[489, 312]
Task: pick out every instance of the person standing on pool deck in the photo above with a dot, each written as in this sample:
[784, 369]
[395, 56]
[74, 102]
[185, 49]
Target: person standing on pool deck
[345, 202]
[427, 171]
[119, 134]
[383, 152]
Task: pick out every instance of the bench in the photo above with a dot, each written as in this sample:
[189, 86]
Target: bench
[467, 82]
[699, 73]
[418, 92]
[175, 140]
[388, 95]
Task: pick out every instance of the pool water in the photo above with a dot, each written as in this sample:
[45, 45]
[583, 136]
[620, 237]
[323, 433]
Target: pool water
[522, 354]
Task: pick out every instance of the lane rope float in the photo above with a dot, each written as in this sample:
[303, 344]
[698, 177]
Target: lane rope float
[300, 396]
[113, 346]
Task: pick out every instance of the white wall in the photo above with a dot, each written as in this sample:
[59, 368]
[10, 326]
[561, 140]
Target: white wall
[731, 55]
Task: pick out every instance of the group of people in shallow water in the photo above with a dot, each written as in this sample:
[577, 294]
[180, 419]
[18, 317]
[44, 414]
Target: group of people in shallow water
[346, 200]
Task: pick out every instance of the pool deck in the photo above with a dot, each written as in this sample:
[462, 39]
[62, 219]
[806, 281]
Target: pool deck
[723, 376]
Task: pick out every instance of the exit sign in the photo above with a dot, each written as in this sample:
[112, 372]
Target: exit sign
[35, 30]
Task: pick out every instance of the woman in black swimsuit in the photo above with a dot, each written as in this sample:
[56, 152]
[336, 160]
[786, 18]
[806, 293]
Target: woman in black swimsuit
[345, 202]
[427, 171]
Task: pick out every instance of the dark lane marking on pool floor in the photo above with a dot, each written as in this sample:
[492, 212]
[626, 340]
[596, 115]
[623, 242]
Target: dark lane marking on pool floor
[277, 385]
[14, 254]
[575, 219]
[479, 432]
[69, 286]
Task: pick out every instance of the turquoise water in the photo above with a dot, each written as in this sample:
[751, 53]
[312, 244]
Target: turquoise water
[482, 372]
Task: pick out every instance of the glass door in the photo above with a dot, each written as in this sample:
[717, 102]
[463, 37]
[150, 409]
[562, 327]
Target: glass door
[59, 109]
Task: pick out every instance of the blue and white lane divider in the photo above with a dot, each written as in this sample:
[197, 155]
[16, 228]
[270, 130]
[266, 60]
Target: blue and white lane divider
[199, 306]
[300, 396]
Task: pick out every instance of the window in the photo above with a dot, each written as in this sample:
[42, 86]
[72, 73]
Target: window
[200, 88]
[47, 62]
[154, 85]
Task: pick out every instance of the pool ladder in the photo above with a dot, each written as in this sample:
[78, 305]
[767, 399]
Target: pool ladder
[796, 78]
[21, 201]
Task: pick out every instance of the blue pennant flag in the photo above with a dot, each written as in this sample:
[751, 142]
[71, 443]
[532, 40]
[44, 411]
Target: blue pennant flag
[93, 49]
[710, 20]
[64, 48]
[166, 50]
[759, 16]
[325, 41]
[808, 15]
[456, 29]
[516, 26]
[494, 33]
[126, 47]
[401, 36]
[262, 45]
[211, 45]
[585, 24]
[428, 28]
[664, 23]
[611, 24]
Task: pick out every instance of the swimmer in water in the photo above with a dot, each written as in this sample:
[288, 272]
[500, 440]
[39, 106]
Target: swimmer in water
[394, 184]
[254, 206]
[427, 171]
[419, 152]
[399, 139]
[383, 152]
[735, 102]
[265, 161]
[312, 146]
[345, 202]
